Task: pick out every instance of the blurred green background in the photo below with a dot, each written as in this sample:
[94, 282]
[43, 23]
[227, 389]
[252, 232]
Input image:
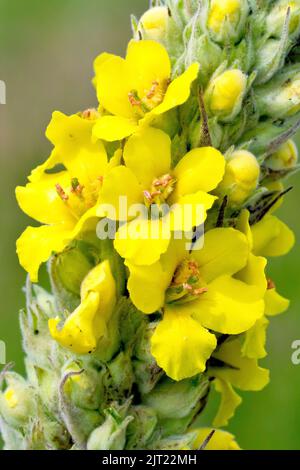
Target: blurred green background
[46, 55]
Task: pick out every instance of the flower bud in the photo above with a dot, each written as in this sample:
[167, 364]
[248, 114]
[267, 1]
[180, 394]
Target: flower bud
[210, 56]
[119, 378]
[175, 400]
[72, 266]
[277, 17]
[241, 177]
[141, 428]
[179, 442]
[284, 158]
[17, 402]
[271, 55]
[225, 94]
[111, 435]
[67, 270]
[146, 370]
[154, 23]
[83, 385]
[280, 98]
[226, 19]
[37, 342]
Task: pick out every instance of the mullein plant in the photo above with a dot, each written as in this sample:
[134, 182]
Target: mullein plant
[124, 350]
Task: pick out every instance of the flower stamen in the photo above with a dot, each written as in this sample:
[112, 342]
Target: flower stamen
[187, 284]
[64, 197]
[160, 190]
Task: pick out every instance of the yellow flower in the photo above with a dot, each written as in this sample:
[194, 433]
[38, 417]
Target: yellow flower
[269, 237]
[148, 179]
[286, 157]
[198, 291]
[65, 200]
[222, 11]
[225, 94]
[154, 23]
[136, 89]
[221, 440]
[232, 369]
[241, 177]
[88, 323]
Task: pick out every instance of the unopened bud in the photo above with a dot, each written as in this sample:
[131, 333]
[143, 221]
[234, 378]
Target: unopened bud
[210, 54]
[176, 400]
[17, 402]
[111, 435]
[225, 94]
[146, 370]
[241, 177]
[72, 266]
[154, 23]
[141, 428]
[284, 158]
[277, 17]
[226, 19]
[272, 54]
[181, 442]
[280, 98]
[83, 385]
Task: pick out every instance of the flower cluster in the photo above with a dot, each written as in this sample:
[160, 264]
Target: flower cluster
[182, 133]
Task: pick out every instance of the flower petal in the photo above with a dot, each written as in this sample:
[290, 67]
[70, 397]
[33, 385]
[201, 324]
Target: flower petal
[72, 137]
[190, 211]
[87, 222]
[88, 323]
[243, 373]
[113, 85]
[178, 91]
[200, 169]
[146, 61]
[181, 346]
[112, 128]
[253, 274]
[120, 191]
[243, 226]
[225, 251]
[148, 154]
[77, 333]
[228, 307]
[38, 172]
[143, 241]
[275, 303]
[41, 201]
[147, 286]
[272, 237]
[36, 245]
[230, 400]
[255, 340]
